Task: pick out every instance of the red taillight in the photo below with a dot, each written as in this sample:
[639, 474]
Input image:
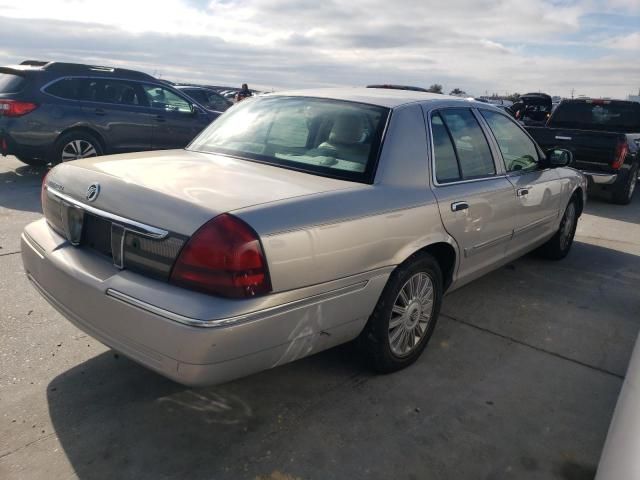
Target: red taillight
[223, 257]
[622, 150]
[16, 108]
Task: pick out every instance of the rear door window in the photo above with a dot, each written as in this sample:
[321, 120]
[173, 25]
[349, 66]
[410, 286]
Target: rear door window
[67, 88]
[470, 144]
[118, 92]
[446, 162]
[10, 83]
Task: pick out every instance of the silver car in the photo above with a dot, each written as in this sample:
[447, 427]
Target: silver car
[296, 222]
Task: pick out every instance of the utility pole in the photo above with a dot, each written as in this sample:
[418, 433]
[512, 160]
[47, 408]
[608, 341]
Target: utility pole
[572, 92]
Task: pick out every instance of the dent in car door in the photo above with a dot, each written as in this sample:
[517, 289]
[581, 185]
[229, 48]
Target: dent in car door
[476, 201]
[483, 229]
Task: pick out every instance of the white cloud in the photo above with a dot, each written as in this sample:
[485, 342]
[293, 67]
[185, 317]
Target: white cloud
[475, 45]
[626, 42]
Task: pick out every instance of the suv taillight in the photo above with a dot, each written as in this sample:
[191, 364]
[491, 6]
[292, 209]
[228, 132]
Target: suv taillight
[622, 150]
[224, 257]
[16, 108]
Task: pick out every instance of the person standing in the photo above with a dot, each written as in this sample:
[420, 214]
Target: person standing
[243, 93]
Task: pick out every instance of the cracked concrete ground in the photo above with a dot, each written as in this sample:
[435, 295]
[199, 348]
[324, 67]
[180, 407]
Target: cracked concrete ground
[519, 382]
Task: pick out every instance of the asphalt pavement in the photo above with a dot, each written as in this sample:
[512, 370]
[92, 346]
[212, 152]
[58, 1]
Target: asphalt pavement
[519, 382]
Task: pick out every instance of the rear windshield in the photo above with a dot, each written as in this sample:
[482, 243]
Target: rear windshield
[598, 115]
[327, 137]
[10, 83]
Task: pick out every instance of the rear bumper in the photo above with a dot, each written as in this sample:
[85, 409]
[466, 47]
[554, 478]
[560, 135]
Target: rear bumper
[9, 146]
[109, 305]
[598, 178]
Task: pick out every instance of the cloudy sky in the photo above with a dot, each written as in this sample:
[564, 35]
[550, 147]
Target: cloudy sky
[480, 46]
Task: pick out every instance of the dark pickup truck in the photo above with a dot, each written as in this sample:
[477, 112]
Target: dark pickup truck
[604, 137]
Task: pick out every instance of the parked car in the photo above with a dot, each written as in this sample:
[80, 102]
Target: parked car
[604, 137]
[532, 109]
[207, 97]
[296, 222]
[54, 112]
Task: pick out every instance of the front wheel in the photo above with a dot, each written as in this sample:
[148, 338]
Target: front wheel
[405, 316]
[558, 246]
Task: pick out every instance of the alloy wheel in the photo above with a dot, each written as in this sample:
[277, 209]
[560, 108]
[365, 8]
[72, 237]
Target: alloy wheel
[411, 314]
[77, 149]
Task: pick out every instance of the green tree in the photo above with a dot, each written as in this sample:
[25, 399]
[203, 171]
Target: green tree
[457, 91]
[435, 88]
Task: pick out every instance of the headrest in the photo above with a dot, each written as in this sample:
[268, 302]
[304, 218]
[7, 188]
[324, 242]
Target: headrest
[348, 128]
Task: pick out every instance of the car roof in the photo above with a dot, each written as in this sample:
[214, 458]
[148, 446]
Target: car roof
[383, 97]
[65, 68]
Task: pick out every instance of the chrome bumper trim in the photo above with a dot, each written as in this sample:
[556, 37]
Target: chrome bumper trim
[248, 317]
[601, 178]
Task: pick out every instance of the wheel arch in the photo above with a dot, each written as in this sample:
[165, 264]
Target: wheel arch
[84, 129]
[446, 254]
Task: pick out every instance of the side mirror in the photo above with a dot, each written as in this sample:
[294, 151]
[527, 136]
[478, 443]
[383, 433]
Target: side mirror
[559, 157]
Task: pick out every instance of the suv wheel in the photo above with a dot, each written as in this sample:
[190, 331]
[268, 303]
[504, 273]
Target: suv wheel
[624, 193]
[74, 146]
[404, 318]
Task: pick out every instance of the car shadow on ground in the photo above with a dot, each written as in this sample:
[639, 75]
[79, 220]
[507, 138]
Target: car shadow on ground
[14, 195]
[600, 206]
[116, 419]
[488, 402]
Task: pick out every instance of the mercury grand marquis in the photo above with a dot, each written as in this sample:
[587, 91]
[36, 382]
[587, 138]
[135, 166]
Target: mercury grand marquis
[294, 223]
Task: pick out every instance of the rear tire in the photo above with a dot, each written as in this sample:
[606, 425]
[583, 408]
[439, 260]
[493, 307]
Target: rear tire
[405, 316]
[558, 246]
[74, 145]
[624, 193]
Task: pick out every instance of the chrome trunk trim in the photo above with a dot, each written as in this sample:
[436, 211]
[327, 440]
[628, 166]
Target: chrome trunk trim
[134, 226]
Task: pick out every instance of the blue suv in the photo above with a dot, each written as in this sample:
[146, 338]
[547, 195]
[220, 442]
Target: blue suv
[52, 112]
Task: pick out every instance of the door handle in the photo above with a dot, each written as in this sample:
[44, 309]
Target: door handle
[522, 192]
[457, 206]
[160, 118]
[99, 111]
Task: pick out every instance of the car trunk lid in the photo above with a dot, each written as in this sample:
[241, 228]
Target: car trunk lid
[179, 190]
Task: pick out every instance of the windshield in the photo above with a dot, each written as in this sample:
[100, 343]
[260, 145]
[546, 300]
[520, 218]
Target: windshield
[598, 115]
[327, 137]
